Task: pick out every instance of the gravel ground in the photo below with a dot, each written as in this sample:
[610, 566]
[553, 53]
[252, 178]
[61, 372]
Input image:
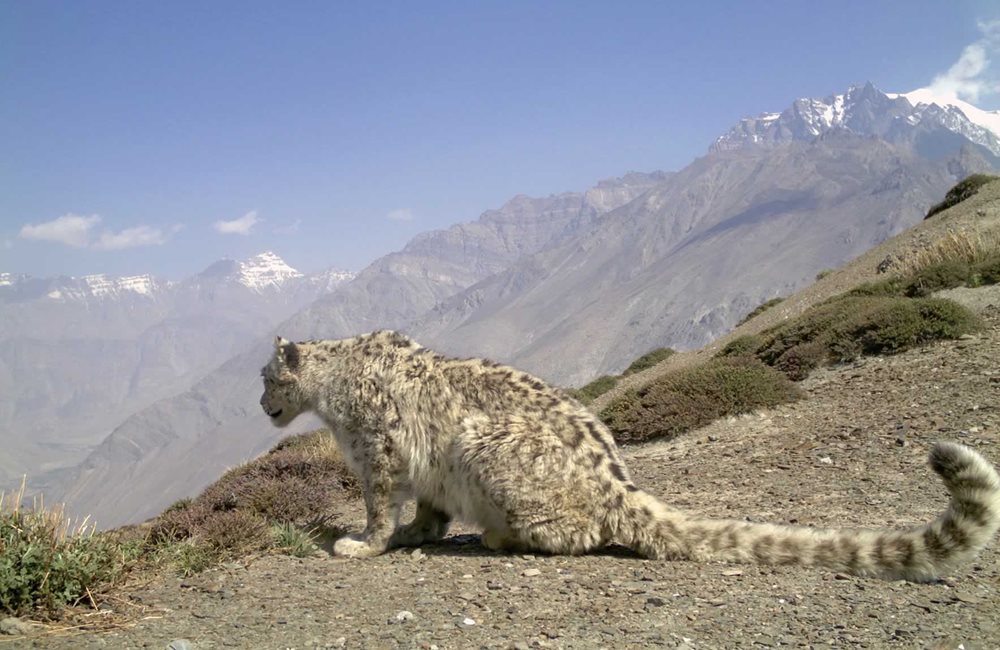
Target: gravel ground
[852, 454]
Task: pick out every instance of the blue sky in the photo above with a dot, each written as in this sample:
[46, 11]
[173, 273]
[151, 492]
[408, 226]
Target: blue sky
[158, 137]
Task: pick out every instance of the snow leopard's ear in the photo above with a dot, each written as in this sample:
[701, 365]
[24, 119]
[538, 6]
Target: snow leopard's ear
[286, 352]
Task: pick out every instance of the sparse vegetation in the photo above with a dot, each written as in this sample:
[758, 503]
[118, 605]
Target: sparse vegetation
[593, 390]
[958, 260]
[294, 540]
[682, 400]
[47, 562]
[960, 192]
[648, 360]
[760, 309]
[257, 506]
[822, 274]
[852, 325]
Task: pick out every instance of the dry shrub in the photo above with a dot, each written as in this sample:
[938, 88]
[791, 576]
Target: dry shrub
[971, 247]
[760, 309]
[853, 325]
[648, 360]
[960, 192]
[594, 389]
[684, 399]
[297, 482]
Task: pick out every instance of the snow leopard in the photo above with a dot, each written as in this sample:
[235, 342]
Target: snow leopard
[500, 449]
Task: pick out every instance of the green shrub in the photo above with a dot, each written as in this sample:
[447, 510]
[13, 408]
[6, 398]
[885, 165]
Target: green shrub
[961, 192]
[595, 389]
[46, 563]
[684, 399]
[760, 309]
[944, 275]
[851, 325]
[888, 287]
[648, 360]
[748, 344]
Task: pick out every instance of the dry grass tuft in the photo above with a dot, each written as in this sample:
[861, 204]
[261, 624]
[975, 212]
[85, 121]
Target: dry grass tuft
[972, 247]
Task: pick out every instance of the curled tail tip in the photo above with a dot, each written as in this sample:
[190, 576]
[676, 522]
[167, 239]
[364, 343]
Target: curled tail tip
[957, 464]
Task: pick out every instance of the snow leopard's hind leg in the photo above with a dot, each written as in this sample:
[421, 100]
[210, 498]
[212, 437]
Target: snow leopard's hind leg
[429, 525]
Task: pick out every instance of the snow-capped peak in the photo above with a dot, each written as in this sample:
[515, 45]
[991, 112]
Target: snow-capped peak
[265, 270]
[911, 118]
[102, 285]
[989, 120]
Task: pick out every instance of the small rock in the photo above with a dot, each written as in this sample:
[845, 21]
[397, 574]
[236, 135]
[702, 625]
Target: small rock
[826, 460]
[417, 554]
[403, 615]
[531, 573]
[180, 644]
[655, 601]
[340, 642]
[467, 622]
[519, 645]
[14, 626]
[732, 572]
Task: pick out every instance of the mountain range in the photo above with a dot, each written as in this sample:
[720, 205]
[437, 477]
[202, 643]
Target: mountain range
[579, 284]
[78, 355]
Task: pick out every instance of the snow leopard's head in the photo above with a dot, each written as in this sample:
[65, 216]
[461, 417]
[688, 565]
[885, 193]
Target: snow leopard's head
[282, 399]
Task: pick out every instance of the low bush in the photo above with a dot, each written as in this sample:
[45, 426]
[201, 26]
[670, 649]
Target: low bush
[296, 483]
[760, 309]
[46, 562]
[864, 323]
[594, 389]
[960, 192]
[648, 360]
[682, 400]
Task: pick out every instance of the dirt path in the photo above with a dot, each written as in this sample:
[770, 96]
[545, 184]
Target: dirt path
[852, 454]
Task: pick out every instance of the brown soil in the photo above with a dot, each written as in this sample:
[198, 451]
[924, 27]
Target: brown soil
[851, 454]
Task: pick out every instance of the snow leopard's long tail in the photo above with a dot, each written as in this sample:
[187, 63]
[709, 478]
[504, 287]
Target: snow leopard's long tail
[920, 553]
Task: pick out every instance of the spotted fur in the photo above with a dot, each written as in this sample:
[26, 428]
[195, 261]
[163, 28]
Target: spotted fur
[496, 447]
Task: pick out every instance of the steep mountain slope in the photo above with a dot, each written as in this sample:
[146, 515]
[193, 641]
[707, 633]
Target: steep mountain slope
[217, 421]
[78, 355]
[774, 202]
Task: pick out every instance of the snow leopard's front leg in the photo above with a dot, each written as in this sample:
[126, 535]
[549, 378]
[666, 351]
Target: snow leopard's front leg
[378, 484]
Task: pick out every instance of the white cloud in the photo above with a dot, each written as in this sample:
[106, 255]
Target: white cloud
[968, 78]
[402, 214]
[241, 226]
[69, 229]
[77, 231]
[130, 238]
